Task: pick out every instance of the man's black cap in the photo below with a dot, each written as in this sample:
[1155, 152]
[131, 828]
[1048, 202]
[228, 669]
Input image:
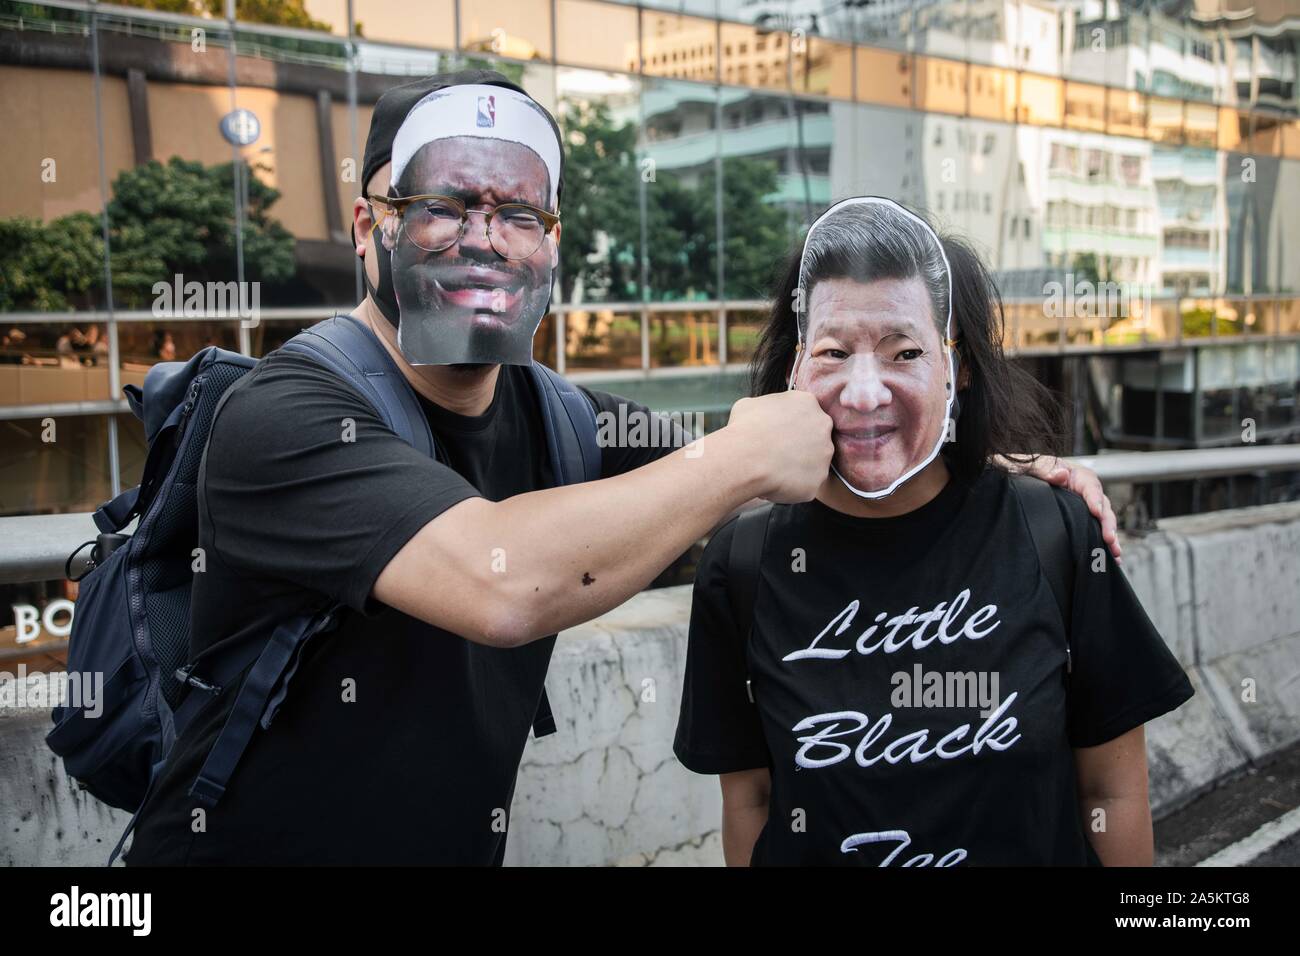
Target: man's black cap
[393, 105]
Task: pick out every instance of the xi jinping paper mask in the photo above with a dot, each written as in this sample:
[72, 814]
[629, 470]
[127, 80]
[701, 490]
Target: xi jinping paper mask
[470, 226]
[875, 330]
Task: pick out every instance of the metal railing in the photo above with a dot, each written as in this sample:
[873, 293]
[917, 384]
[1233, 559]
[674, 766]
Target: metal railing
[1214, 473]
[1153, 466]
[36, 547]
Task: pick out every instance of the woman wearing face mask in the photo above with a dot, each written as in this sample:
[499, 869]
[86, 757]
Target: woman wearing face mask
[931, 663]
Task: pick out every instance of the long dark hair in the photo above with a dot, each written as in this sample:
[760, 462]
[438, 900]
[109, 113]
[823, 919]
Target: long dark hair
[1004, 410]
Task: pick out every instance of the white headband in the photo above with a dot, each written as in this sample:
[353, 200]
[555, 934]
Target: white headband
[492, 112]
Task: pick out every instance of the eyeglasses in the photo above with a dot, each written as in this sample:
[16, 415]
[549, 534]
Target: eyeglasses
[435, 223]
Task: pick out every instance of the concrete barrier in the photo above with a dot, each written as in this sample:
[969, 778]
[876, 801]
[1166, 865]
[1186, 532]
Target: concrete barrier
[1223, 588]
[45, 818]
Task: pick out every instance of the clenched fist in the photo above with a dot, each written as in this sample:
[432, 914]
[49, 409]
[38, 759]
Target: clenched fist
[791, 440]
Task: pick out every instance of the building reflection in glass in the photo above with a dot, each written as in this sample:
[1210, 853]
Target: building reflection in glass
[1126, 169]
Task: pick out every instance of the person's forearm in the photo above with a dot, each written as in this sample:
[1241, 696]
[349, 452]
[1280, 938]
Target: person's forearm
[574, 552]
[508, 572]
[1121, 835]
[740, 829]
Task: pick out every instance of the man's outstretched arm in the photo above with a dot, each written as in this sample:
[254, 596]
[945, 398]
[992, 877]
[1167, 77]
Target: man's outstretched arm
[572, 553]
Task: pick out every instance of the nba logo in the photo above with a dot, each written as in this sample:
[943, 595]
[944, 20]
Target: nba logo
[487, 111]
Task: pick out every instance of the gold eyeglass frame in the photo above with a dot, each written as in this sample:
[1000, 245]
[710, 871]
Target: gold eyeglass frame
[397, 205]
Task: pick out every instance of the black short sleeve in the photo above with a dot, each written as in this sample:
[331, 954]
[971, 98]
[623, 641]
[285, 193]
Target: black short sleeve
[718, 730]
[620, 456]
[1123, 674]
[304, 482]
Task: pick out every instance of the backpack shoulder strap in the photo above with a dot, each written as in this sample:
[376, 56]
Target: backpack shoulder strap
[345, 346]
[350, 350]
[743, 561]
[570, 424]
[258, 699]
[1051, 541]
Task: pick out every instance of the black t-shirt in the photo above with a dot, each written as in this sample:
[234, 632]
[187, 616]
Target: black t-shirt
[868, 765]
[398, 742]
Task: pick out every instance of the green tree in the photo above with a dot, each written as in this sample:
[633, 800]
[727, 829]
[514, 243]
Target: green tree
[166, 6]
[282, 13]
[33, 13]
[1084, 266]
[758, 233]
[600, 196]
[50, 267]
[681, 233]
[164, 219]
[179, 218]
[681, 222]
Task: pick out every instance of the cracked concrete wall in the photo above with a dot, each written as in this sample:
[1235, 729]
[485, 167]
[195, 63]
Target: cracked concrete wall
[606, 788]
[45, 818]
[1223, 588]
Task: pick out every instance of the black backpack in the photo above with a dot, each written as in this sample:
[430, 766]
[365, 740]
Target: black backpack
[1037, 502]
[132, 620]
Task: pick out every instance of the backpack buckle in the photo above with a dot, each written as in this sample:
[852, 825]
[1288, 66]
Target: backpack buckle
[186, 676]
[749, 689]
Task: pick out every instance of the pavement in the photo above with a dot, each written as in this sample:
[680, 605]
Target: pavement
[1250, 819]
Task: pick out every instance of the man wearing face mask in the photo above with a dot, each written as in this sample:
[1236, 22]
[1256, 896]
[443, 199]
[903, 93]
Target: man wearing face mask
[474, 295]
[401, 737]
